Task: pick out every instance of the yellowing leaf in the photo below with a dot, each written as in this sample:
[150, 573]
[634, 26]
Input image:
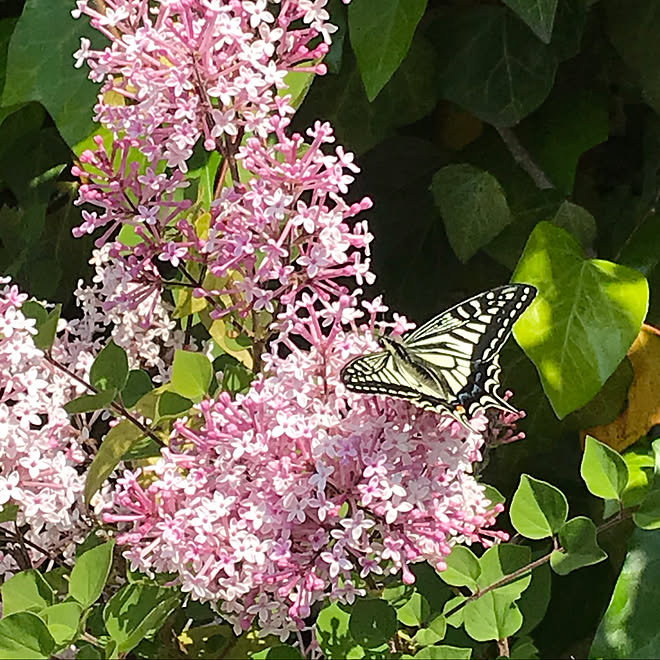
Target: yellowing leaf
[643, 409]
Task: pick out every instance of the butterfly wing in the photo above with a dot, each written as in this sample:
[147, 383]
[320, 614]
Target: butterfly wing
[385, 372]
[451, 362]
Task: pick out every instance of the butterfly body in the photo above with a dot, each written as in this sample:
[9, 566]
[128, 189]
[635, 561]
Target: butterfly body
[449, 364]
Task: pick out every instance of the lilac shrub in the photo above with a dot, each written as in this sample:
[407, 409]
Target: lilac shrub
[297, 490]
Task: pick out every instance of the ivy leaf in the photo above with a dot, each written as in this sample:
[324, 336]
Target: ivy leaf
[580, 547]
[473, 207]
[538, 14]
[381, 33]
[538, 509]
[633, 27]
[484, 43]
[64, 91]
[584, 319]
[604, 471]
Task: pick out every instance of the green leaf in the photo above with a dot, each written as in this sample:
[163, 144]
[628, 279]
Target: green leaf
[633, 27]
[577, 221]
[46, 323]
[191, 374]
[584, 319]
[629, 627]
[24, 635]
[63, 621]
[410, 95]
[171, 404]
[116, 443]
[381, 33]
[580, 547]
[569, 123]
[502, 560]
[473, 207]
[606, 406]
[492, 617]
[8, 512]
[67, 94]
[434, 632]
[538, 509]
[524, 649]
[135, 611]
[110, 368]
[463, 568]
[648, 514]
[277, 653]
[333, 636]
[137, 385]
[534, 601]
[372, 622]
[414, 612]
[443, 652]
[91, 402]
[538, 14]
[604, 471]
[90, 573]
[483, 43]
[26, 590]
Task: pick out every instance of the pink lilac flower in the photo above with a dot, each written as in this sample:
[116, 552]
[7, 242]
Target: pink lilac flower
[199, 69]
[306, 486]
[40, 450]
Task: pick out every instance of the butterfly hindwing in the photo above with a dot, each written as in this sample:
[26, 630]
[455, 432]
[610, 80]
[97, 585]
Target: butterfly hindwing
[451, 362]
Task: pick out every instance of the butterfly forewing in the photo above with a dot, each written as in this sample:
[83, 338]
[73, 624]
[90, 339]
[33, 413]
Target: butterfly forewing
[451, 362]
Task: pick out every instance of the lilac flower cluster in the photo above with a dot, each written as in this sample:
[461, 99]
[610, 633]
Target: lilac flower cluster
[270, 502]
[209, 68]
[39, 449]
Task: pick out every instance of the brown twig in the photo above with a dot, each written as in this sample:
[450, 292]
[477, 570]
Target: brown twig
[524, 159]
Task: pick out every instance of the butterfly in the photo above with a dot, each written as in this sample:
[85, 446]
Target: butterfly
[451, 363]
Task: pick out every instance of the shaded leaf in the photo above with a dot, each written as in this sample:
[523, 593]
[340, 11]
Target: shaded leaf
[110, 368]
[64, 91]
[473, 207]
[538, 14]
[381, 33]
[372, 622]
[580, 547]
[484, 43]
[91, 402]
